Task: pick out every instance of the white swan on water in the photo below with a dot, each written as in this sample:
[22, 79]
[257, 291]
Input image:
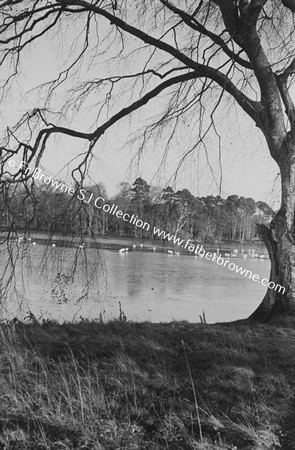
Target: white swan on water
[124, 250]
[171, 252]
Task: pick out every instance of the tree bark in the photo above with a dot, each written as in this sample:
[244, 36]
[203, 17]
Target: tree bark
[279, 239]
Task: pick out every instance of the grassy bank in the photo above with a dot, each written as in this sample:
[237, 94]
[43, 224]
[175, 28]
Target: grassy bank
[147, 386]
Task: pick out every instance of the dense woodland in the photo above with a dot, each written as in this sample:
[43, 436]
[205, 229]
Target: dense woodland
[209, 219]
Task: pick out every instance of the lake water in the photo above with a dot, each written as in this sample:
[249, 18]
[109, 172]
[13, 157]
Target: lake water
[65, 283]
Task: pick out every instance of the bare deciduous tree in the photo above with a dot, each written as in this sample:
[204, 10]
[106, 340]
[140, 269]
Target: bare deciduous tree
[199, 54]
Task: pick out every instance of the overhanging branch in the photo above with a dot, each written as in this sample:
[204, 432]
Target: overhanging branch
[95, 135]
[44, 134]
[251, 107]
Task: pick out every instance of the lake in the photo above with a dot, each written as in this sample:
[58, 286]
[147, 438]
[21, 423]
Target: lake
[66, 283]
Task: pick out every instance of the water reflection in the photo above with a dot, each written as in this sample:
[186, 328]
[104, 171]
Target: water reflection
[150, 286]
[162, 287]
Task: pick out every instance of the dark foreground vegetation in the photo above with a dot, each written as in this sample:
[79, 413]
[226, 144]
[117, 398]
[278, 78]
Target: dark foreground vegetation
[147, 386]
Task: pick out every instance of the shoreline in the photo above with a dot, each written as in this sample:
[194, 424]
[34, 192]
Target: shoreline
[109, 242]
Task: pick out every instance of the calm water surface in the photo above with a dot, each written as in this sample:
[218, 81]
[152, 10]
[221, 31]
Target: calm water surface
[150, 286]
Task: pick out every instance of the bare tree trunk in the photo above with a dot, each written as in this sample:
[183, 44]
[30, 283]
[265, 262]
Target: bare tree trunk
[280, 243]
[181, 222]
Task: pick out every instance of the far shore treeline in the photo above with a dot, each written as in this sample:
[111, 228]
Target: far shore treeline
[208, 219]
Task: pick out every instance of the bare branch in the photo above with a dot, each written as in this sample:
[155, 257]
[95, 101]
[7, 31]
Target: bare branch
[40, 143]
[197, 26]
[251, 107]
[287, 100]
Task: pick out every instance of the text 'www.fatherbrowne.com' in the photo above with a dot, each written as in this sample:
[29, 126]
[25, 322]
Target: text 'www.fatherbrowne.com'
[101, 204]
[199, 250]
